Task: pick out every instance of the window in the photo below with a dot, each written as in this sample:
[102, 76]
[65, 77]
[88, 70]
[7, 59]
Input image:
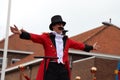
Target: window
[1, 60]
[14, 60]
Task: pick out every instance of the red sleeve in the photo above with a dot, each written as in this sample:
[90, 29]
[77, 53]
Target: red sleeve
[36, 38]
[76, 45]
[119, 75]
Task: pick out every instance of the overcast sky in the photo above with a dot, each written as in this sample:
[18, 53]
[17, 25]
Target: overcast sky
[80, 15]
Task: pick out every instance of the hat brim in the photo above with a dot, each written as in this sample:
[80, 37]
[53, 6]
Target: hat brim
[53, 23]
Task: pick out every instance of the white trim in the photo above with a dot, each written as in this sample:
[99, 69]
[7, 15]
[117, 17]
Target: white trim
[6, 42]
[99, 55]
[16, 51]
[24, 64]
[83, 59]
[14, 60]
[71, 51]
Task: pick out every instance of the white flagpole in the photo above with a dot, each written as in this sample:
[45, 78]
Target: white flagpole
[4, 64]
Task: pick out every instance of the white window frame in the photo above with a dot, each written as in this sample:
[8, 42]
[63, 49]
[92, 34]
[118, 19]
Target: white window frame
[14, 59]
[1, 58]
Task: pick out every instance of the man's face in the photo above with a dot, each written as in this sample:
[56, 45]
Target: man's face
[58, 28]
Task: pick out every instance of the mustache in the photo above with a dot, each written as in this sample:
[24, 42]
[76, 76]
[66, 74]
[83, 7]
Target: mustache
[63, 30]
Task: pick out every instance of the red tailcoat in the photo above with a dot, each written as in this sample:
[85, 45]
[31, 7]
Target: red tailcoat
[119, 75]
[50, 50]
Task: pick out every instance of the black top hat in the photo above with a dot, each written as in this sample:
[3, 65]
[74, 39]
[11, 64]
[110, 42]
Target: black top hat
[56, 19]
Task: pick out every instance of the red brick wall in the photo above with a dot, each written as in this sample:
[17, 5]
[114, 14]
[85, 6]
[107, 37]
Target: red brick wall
[82, 69]
[11, 56]
[106, 69]
[15, 74]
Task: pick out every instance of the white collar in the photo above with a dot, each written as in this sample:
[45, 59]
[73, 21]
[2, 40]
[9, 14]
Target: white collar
[56, 34]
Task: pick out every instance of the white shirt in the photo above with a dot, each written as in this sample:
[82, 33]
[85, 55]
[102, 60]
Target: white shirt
[59, 46]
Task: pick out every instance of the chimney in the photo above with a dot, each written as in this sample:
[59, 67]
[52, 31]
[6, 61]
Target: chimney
[108, 23]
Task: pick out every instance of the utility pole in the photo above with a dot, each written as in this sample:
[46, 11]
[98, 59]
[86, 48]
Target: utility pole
[6, 42]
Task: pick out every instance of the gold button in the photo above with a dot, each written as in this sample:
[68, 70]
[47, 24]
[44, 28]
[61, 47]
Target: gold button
[50, 45]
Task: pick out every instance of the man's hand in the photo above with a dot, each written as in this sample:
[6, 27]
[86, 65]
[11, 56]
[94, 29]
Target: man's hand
[15, 30]
[95, 46]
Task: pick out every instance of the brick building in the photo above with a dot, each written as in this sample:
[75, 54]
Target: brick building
[105, 58]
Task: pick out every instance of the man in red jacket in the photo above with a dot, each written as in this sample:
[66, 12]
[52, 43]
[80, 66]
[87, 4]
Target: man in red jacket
[56, 44]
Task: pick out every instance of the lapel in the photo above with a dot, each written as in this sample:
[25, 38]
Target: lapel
[52, 37]
[64, 41]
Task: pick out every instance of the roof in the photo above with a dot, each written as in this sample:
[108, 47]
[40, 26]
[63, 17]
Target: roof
[107, 37]
[17, 44]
